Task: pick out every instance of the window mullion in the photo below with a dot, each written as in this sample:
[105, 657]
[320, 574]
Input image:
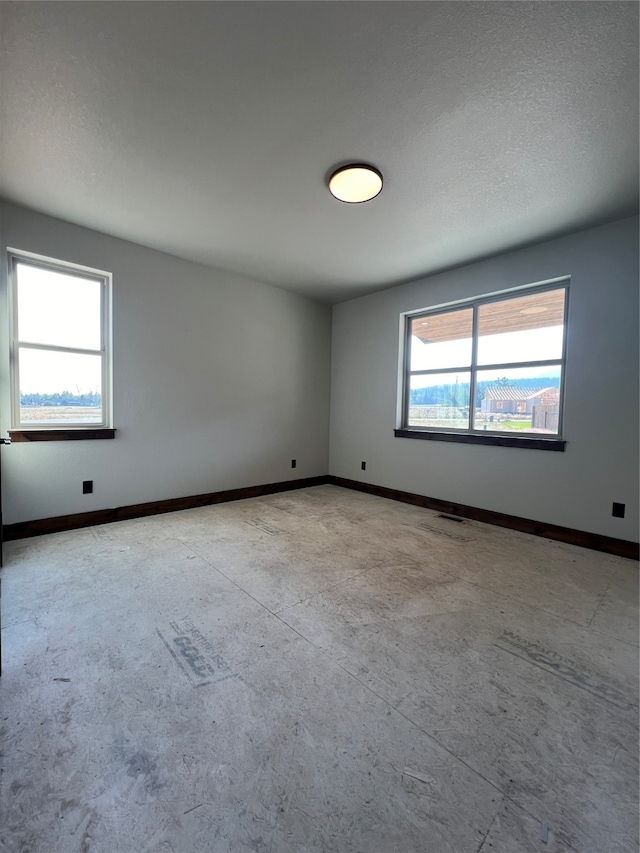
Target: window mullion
[514, 365]
[56, 348]
[464, 369]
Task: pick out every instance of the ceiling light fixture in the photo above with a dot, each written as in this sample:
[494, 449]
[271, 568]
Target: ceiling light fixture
[534, 309]
[355, 183]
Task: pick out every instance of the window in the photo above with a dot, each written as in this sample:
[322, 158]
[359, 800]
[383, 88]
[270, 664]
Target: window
[491, 366]
[60, 352]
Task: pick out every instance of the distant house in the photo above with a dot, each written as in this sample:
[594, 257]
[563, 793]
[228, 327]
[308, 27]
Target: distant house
[511, 400]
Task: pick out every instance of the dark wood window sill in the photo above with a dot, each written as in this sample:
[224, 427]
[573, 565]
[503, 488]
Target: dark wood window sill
[80, 434]
[536, 443]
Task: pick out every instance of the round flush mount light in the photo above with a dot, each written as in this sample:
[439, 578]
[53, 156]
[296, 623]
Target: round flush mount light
[534, 309]
[355, 183]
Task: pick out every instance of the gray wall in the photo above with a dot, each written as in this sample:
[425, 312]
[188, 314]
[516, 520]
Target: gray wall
[218, 382]
[574, 488]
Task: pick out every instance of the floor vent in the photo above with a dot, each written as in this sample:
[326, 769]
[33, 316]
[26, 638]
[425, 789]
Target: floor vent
[451, 518]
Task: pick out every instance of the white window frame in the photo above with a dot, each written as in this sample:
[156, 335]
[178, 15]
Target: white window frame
[473, 368]
[104, 278]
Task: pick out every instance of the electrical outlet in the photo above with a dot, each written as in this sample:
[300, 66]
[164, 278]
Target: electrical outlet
[293, 463]
[617, 511]
[87, 487]
[363, 466]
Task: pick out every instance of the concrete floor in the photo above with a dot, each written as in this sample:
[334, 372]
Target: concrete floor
[312, 672]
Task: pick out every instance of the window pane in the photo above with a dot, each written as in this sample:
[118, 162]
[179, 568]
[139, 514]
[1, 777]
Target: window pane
[441, 340]
[60, 387]
[529, 328]
[57, 309]
[525, 400]
[439, 400]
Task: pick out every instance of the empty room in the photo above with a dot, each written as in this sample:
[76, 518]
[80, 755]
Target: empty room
[319, 427]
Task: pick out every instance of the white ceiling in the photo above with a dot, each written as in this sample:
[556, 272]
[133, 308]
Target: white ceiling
[208, 129]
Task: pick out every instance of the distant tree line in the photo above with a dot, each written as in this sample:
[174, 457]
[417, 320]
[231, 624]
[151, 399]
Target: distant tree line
[62, 398]
[457, 393]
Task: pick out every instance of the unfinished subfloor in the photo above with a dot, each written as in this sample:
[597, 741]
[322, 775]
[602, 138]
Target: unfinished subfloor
[317, 671]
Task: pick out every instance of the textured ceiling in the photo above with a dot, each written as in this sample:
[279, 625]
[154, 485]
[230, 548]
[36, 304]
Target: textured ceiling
[208, 130]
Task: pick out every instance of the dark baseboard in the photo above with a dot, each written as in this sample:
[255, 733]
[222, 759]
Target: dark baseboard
[594, 541]
[60, 523]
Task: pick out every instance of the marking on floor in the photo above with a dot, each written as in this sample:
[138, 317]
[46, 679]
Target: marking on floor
[564, 668]
[450, 534]
[195, 654]
[263, 525]
[101, 533]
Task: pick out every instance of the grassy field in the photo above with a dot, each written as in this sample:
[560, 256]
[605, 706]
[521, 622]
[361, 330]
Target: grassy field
[463, 423]
[516, 425]
[47, 414]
